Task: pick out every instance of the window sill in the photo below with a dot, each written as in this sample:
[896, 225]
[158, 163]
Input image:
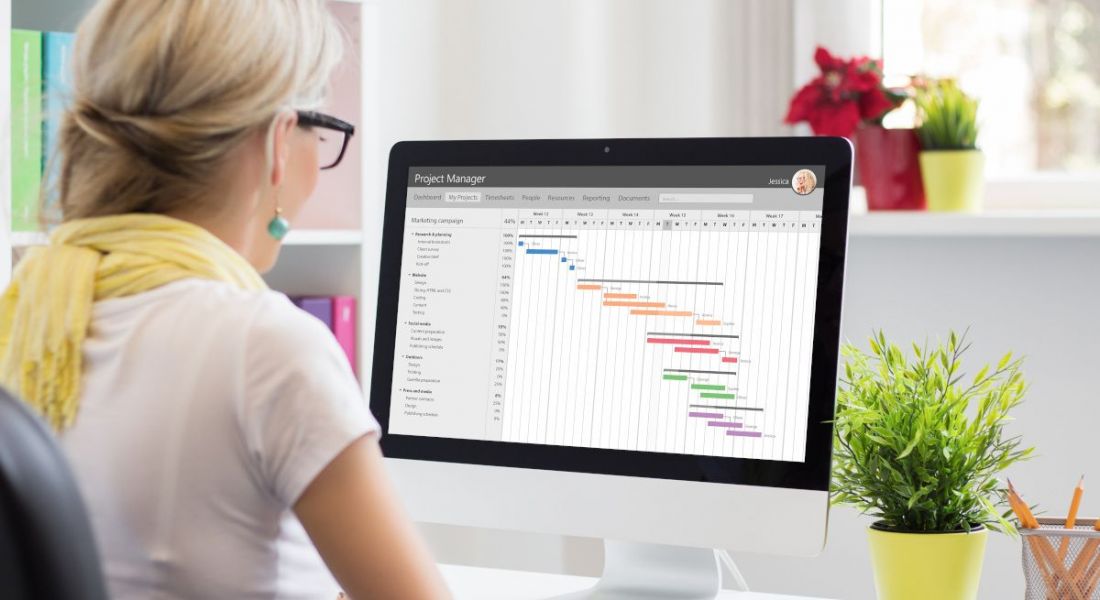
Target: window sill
[1032, 207]
[999, 223]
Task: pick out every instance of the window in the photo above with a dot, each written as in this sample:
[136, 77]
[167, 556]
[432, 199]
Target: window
[1034, 64]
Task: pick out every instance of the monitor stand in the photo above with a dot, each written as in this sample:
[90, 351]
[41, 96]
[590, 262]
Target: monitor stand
[654, 572]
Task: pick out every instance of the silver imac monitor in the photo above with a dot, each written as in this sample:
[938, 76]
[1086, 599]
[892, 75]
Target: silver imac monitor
[631, 339]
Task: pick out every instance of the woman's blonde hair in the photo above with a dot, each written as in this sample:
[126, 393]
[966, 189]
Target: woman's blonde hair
[164, 90]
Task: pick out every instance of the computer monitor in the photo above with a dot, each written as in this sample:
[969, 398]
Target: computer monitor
[631, 339]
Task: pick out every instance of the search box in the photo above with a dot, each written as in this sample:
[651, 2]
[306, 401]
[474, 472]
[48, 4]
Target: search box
[705, 198]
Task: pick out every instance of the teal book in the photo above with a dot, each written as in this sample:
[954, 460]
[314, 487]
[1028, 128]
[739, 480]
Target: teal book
[26, 128]
[57, 75]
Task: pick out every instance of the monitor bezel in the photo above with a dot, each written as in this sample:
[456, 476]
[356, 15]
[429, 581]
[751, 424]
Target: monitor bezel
[813, 474]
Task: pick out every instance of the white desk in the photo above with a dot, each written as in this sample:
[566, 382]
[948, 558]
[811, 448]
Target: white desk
[477, 583]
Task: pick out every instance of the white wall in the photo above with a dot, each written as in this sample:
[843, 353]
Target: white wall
[1036, 296]
[584, 68]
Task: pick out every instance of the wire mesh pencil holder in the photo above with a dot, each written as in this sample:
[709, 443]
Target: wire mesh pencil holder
[1060, 563]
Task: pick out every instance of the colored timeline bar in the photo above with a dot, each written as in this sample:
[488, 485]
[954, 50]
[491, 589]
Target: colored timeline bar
[542, 251]
[660, 281]
[744, 433]
[717, 396]
[618, 296]
[726, 424]
[645, 312]
[634, 304]
[589, 286]
[671, 377]
[694, 350]
[701, 372]
[708, 322]
[708, 386]
[706, 415]
[677, 342]
[729, 359]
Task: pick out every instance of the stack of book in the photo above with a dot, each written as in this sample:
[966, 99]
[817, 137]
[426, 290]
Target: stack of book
[41, 77]
[338, 314]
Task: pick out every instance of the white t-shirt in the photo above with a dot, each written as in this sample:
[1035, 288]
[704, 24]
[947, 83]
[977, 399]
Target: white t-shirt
[205, 412]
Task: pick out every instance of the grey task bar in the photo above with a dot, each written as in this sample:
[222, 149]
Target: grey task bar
[702, 335]
[682, 176]
[650, 281]
[556, 237]
[726, 407]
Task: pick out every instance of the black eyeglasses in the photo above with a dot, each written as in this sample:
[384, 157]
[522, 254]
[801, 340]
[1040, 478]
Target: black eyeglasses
[332, 147]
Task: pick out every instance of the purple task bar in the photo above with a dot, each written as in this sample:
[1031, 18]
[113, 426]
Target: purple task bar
[728, 424]
[706, 415]
[745, 433]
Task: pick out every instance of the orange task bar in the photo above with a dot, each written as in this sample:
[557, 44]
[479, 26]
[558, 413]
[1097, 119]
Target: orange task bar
[589, 286]
[634, 304]
[642, 312]
[617, 296]
[708, 322]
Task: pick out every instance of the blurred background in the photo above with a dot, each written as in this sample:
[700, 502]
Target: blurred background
[1022, 273]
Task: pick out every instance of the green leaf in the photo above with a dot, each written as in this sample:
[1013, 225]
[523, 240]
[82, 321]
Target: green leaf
[916, 447]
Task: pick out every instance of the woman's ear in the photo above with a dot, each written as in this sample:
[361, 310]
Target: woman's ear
[282, 128]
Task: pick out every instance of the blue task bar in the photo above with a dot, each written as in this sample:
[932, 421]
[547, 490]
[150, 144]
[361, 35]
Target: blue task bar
[572, 268]
[563, 259]
[542, 250]
[521, 242]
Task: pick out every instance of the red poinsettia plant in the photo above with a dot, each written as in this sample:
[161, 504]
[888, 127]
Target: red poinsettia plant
[848, 92]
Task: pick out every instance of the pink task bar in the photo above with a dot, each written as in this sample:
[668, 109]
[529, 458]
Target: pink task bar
[729, 359]
[676, 341]
[697, 350]
[726, 424]
[743, 433]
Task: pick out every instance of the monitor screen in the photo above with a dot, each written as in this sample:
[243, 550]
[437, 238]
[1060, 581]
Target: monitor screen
[665, 309]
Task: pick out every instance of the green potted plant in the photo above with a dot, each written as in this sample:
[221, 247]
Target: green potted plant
[919, 449]
[950, 161]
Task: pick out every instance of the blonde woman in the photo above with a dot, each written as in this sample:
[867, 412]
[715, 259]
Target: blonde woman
[220, 440]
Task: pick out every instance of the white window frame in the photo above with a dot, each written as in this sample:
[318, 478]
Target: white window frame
[849, 27]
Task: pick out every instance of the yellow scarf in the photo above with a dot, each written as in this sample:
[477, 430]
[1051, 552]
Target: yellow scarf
[45, 312]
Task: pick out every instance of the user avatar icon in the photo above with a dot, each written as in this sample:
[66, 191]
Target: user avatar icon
[804, 182]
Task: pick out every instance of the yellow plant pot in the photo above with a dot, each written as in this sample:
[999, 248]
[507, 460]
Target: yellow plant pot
[923, 566]
[953, 180]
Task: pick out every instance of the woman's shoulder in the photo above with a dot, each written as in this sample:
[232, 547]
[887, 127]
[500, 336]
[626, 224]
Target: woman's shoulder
[263, 317]
[268, 319]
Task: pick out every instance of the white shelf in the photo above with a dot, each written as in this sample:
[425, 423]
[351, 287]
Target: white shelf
[20, 239]
[1046, 223]
[316, 237]
[323, 237]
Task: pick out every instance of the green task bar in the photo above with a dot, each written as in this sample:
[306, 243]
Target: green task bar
[708, 386]
[718, 396]
[676, 377]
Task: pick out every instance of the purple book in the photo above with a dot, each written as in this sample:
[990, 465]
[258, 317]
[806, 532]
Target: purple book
[318, 307]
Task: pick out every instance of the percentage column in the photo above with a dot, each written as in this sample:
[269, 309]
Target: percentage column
[502, 319]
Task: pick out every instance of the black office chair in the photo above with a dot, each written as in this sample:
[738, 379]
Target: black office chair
[46, 544]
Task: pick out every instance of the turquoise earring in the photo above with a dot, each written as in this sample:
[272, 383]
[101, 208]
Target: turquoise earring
[278, 226]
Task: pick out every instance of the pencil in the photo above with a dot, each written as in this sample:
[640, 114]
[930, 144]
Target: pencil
[1084, 562]
[1071, 517]
[1043, 550]
[1045, 571]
